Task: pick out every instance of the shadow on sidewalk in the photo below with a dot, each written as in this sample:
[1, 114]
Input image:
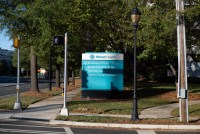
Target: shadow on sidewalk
[43, 108]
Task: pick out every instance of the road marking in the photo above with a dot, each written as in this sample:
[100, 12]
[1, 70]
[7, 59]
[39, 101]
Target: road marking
[68, 130]
[30, 131]
[145, 132]
[8, 95]
[35, 126]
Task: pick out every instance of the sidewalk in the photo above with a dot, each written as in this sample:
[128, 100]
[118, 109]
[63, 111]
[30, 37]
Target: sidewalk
[162, 112]
[46, 110]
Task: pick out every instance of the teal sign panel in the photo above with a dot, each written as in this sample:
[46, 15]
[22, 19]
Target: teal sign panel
[102, 71]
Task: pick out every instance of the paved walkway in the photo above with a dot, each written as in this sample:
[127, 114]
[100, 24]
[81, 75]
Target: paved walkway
[162, 111]
[45, 110]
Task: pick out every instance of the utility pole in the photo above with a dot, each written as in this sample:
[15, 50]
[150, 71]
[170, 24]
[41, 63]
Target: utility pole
[182, 66]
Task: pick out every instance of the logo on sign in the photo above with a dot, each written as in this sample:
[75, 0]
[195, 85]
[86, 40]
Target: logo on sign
[92, 56]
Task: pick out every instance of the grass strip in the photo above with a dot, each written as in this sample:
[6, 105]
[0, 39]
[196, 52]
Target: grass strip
[120, 120]
[113, 106]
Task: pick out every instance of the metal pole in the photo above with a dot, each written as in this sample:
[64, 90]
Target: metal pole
[65, 72]
[73, 78]
[135, 105]
[64, 110]
[50, 69]
[182, 77]
[17, 105]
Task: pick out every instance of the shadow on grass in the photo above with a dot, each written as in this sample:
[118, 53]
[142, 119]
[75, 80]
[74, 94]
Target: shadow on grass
[98, 102]
[194, 120]
[151, 92]
[145, 93]
[151, 89]
[111, 110]
[101, 106]
[194, 88]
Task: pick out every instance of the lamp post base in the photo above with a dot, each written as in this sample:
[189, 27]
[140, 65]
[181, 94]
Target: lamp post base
[64, 111]
[17, 106]
[134, 117]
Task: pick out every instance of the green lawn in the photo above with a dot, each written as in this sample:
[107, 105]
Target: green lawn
[148, 96]
[194, 111]
[113, 106]
[27, 98]
[194, 88]
[147, 93]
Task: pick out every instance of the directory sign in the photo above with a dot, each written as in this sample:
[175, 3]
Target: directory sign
[102, 71]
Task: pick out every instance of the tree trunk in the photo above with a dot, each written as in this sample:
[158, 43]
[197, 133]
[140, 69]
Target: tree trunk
[175, 75]
[27, 73]
[34, 82]
[57, 77]
[73, 78]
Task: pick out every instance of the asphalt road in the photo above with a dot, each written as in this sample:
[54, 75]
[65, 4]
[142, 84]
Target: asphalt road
[12, 79]
[11, 89]
[23, 127]
[8, 85]
[20, 127]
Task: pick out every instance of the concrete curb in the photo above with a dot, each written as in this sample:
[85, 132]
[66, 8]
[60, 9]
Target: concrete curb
[130, 126]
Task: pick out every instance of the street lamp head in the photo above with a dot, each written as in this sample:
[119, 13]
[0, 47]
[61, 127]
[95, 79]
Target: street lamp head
[135, 16]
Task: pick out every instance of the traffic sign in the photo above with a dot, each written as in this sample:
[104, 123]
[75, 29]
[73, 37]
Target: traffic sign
[58, 40]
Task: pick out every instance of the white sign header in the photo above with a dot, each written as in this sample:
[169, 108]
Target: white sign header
[102, 56]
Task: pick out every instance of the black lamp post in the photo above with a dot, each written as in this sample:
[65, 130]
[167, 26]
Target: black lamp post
[50, 64]
[135, 16]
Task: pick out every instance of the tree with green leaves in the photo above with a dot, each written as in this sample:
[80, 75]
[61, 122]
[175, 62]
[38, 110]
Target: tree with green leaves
[17, 23]
[105, 26]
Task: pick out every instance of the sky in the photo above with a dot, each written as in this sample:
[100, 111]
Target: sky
[5, 43]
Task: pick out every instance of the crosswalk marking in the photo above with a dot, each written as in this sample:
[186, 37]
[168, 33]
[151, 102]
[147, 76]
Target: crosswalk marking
[35, 126]
[68, 130]
[30, 131]
[145, 132]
